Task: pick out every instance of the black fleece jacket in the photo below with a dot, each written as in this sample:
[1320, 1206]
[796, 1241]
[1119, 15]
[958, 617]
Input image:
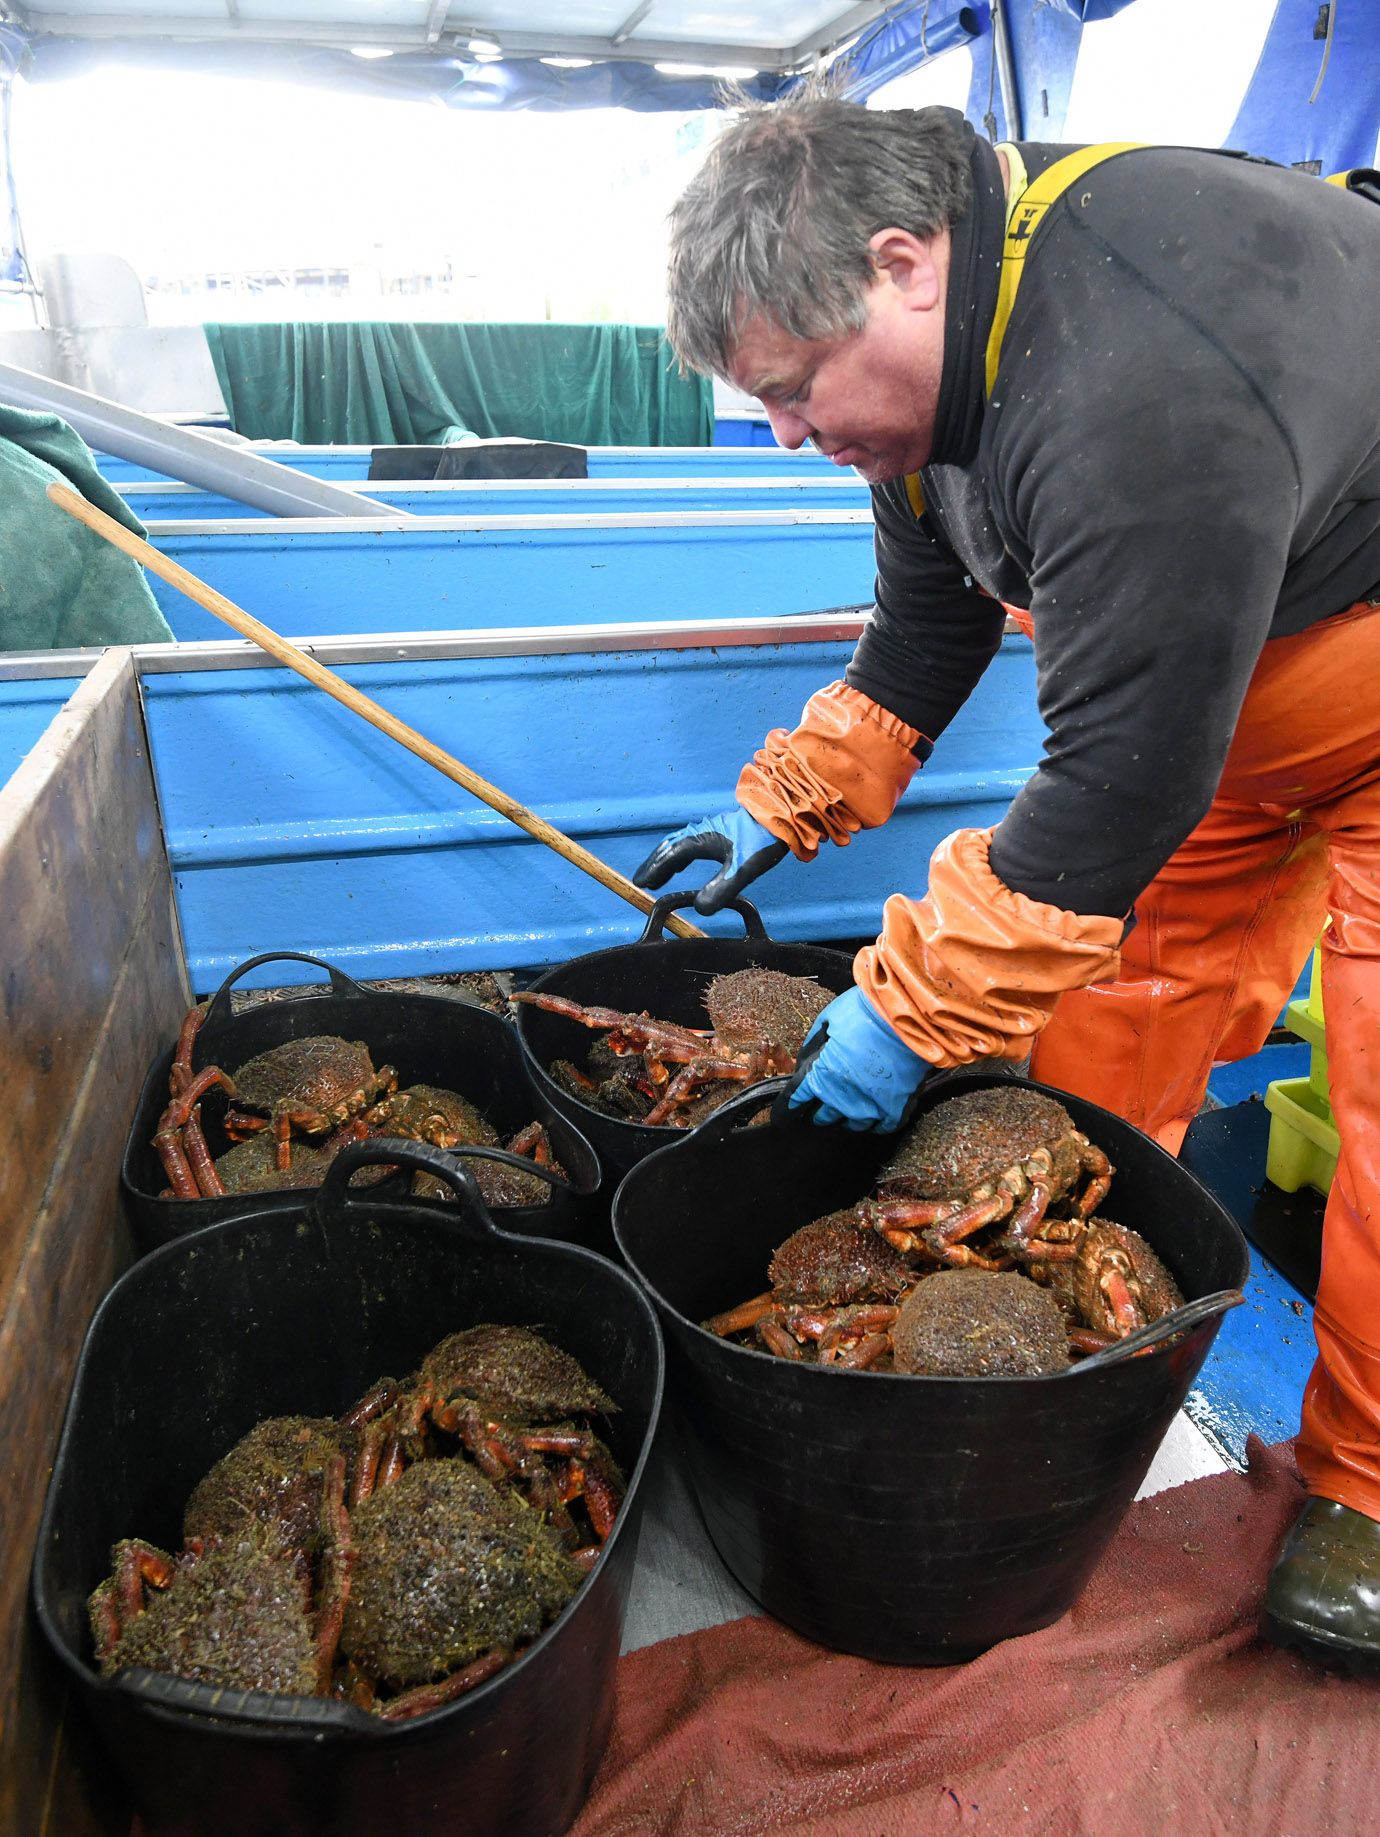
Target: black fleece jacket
[1180, 460]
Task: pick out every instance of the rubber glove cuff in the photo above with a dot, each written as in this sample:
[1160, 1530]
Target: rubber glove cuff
[855, 1068]
[745, 847]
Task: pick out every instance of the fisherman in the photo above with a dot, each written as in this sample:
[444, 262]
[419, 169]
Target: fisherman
[1135, 394]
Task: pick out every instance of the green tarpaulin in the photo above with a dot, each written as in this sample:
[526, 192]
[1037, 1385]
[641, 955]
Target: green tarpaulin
[60, 583]
[374, 384]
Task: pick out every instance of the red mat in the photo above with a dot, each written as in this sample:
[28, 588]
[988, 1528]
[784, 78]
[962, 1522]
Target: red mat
[1151, 1707]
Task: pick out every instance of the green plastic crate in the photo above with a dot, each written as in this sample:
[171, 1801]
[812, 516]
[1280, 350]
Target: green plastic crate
[1304, 1144]
[1305, 1020]
[1314, 1003]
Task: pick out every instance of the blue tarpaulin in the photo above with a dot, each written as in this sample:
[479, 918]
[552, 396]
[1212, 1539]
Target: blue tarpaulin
[1313, 96]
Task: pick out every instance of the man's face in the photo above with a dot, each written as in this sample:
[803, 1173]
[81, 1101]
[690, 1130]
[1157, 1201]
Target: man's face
[867, 399]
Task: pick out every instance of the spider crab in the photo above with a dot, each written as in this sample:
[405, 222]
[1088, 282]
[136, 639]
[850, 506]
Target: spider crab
[450, 1574]
[233, 1607]
[427, 1113]
[511, 1399]
[1004, 1154]
[316, 1085]
[1105, 1276]
[835, 1287]
[759, 1020]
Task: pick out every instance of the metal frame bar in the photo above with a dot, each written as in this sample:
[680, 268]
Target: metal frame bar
[432, 33]
[556, 488]
[557, 521]
[833, 626]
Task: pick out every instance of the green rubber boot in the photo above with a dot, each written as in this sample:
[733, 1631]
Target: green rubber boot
[1323, 1596]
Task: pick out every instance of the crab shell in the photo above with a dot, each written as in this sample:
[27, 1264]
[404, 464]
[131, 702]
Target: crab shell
[967, 1323]
[315, 1073]
[836, 1260]
[277, 1477]
[514, 1372]
[234, 1615]
[967, 1141]
[755, 1007]
[447, 1567]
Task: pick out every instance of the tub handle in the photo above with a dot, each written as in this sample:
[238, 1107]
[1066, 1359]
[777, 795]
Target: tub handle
[263, 1707]
[341, 984]
[731, 1116]
[478, 1151]
[1180, 1320]
[672, 902]
[334, 1194]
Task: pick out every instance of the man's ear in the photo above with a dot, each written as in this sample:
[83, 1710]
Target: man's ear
[908, 262]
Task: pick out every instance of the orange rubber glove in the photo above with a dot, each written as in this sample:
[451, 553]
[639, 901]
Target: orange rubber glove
[973, 970]
[843, 769]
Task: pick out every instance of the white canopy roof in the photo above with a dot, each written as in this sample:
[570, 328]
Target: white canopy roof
[765, 35]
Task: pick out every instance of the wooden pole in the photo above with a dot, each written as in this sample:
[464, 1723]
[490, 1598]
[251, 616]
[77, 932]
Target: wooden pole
[296, 659]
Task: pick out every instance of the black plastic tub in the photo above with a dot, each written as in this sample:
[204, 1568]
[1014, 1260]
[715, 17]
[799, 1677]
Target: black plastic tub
[428, 1039]
[659, 975]
[913, 1520]
[280, 1313]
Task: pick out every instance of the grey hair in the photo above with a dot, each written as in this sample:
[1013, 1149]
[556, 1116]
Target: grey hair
[777, 221]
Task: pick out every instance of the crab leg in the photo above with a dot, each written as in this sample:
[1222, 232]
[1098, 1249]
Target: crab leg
[776, 1339]
[209, 1183]
[1096, 1164]
[628, 1033]
[432, 1696]
[601, 1502]
[181, 1075]
[533, 1141]
[961, 1256]
[699, 1071]
[1088, 1339]
[861, 1353]
[949, 1221]
[169, 1139]
[335, 1572]
[848, 1340]
[746, 1314]
[576, 1480]
[1125, 1310]
[137, 1564]
[1031, 1210]
[105, 1622]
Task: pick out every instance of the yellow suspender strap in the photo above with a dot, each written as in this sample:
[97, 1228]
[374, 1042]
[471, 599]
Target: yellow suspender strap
[1025, 211]
[1026, 206]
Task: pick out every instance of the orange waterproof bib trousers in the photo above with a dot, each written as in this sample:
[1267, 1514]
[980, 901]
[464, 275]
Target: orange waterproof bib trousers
[1292, 836]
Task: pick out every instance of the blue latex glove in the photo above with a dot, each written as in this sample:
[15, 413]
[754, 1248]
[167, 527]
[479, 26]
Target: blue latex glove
[733, 837]
[855, 1067]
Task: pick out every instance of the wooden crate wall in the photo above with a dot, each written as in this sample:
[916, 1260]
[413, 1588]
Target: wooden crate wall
[92, 987]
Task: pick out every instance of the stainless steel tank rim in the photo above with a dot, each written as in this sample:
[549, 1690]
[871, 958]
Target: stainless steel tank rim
[556, 487]
[840, 625]
[556, 521]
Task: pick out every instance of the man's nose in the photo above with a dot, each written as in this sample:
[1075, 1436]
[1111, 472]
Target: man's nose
[791, 430]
